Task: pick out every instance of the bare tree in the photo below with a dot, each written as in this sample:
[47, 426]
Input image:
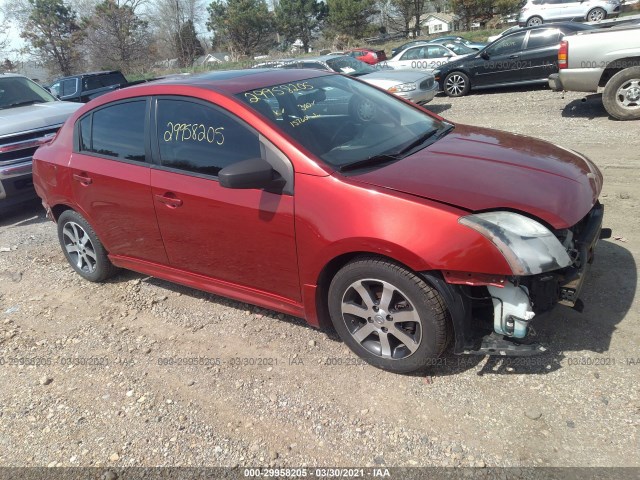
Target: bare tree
[167, 19]
[117, 37]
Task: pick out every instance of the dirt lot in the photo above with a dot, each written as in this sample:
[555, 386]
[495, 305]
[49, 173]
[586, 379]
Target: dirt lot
[310, 402]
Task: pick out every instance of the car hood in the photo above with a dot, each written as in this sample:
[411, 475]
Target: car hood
[394, 77]
[33, 117]
[479, 169]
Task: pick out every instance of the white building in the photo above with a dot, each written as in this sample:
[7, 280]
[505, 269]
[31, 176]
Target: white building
[435, 23]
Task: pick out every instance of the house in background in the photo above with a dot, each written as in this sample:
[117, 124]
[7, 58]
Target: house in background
[211, 58]
[437, 23]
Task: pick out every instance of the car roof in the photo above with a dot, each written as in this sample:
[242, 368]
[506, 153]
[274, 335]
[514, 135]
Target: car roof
[232, 82]
[88, 74]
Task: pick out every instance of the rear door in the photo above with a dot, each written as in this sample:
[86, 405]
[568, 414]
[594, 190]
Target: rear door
[111, 179]
[539, 57]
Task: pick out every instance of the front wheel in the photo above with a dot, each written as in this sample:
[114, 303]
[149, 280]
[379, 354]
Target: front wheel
[83, 249]
[596, 14]
[456, 84]
[621, 95]
[387, 315]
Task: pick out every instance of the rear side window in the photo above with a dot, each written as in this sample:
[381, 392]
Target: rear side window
[510, 44]
[543, 38]
[115, 131]
[202, 139]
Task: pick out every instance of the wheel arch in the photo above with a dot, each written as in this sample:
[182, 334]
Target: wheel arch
[617, 66]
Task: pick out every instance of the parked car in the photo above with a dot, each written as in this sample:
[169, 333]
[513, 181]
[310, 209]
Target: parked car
[367, 55]
[87, 86]
[428, 56]
[473, 45]
[525, 57]
[509, 30]
[381, 219]
[30, 116]
[404, 46]
[537, 12]
[417, 87]
[608, 59]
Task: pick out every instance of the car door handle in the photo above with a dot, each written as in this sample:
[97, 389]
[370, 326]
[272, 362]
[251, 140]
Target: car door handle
[169, 200]
[82, 178]
[514, 56]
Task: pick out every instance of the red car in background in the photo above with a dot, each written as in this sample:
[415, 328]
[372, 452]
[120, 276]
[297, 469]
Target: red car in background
[367, 55]
[320, 196]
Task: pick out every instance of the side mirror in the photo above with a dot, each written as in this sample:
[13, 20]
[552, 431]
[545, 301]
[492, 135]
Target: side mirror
[484, 54]
[254, 173]
[448, 55]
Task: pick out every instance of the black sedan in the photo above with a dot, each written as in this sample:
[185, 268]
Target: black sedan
[525, 57]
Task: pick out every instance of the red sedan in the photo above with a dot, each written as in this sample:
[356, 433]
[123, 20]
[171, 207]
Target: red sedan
[322, 197]
[367, 55]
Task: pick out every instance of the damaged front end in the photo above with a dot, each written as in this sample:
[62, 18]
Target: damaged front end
[492, 314]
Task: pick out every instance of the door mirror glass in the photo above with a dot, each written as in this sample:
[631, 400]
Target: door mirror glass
[484, 54]
[253, 173]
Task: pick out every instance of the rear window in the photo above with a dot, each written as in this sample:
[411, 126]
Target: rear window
[115, 131]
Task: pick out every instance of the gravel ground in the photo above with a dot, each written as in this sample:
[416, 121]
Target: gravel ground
[86, 381]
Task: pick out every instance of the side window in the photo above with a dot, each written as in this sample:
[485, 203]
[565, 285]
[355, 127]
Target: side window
[202, 139]
[510, 44]
[55, 89]
[543, 38]
[68, 87]
[436, 52]
[116, 131]
[85, 134]
[412, 54]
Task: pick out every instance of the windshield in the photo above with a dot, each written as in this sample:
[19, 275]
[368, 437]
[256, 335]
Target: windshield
[349, 66]
[20, 91]
[459, 48]
[340, 120]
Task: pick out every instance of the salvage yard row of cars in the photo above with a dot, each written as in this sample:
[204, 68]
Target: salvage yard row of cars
[467, 234]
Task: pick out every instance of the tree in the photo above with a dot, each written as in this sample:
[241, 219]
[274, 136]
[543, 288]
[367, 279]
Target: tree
[187, 44]
[300, 19]
[418, 9]
[168, 19]
[245, 25]
[403, 13]
[117, 38]
[472, 10]
[52, 30]
[351, 17]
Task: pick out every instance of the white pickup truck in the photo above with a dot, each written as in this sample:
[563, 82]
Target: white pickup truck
[608, 59]
[29, 117]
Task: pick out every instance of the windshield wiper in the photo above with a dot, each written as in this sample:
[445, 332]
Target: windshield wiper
[21, 104]
[368, 162]
[390, 157]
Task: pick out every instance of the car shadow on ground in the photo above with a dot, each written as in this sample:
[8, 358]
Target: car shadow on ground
[582, 338]
[514, 89]
[22, 215]
[438, 109]
[589, 107]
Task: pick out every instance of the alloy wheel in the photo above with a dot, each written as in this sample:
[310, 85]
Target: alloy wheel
[535, 21]
[455, 84]
[381, 318]
[79, 247]
[596, 15]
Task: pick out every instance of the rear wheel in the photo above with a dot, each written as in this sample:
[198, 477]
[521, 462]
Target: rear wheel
[621, 96]
[83, 249]
[456, 84]
[596, 14]
[533, 21]
[388, 315]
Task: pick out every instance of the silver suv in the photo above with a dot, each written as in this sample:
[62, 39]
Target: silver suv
[537, 12]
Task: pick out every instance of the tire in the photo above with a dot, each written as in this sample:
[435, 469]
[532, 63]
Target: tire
[596, 14]
[533, 21]
[456, 84]
[387, 315]
[621, 96]
[82, 248]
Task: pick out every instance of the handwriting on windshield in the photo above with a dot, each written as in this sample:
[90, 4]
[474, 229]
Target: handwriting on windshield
[196, 132]
[306, 106]
[255, 96]
[299, 121]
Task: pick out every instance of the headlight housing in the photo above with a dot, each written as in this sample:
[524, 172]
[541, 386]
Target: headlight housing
[528, 246]
[403, 87]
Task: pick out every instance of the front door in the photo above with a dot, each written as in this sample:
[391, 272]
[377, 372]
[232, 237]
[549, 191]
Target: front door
[502, 64]
[244, 237]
